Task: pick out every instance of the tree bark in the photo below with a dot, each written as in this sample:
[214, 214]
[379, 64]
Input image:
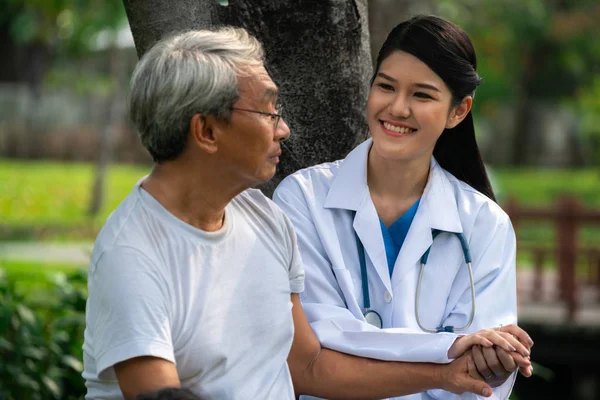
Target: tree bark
[317, 51]
[384, 15]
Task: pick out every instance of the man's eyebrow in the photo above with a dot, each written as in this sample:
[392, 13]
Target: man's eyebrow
[271, 93]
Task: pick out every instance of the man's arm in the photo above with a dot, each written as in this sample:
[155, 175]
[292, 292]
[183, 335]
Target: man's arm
[326, 373]
[144, 375]
[127, 312]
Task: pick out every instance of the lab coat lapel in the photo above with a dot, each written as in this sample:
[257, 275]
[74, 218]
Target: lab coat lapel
[367, 227]
[437, 210]
[349, 191]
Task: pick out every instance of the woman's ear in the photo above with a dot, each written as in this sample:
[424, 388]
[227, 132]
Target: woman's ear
[202, 133]
[458, 113]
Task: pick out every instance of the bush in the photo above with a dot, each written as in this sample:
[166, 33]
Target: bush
[41, 334]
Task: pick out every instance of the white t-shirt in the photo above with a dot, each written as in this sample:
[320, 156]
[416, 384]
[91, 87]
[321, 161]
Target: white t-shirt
[217, 304]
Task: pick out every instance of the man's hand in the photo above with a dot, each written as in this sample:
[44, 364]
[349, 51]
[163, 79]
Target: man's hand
[495, 365]
[457, 377]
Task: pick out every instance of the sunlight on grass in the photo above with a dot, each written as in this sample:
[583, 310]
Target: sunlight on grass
[541, 187]
[34, 193]
[39, 194]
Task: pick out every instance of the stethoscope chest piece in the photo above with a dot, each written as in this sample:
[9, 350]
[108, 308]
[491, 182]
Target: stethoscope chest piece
[373, 318]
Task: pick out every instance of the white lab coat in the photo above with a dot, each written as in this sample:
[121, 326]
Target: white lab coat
[321, 201]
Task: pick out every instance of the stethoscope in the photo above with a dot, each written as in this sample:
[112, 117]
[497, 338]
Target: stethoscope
[372, 317]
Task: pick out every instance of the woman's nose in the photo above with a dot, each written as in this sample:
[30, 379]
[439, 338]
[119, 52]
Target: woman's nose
[400, 107]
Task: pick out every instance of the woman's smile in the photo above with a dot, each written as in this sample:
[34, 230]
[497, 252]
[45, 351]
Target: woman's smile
[396, 129]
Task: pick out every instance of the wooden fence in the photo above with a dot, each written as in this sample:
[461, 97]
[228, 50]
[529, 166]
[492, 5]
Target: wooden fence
[567, 216]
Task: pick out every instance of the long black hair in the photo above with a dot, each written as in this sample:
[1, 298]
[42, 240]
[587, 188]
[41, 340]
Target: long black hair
[448, 51]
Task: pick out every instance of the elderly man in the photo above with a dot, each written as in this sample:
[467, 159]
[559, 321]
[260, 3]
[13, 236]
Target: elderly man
[194, 278]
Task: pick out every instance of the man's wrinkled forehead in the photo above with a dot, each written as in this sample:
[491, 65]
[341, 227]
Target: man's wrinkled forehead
[257, 82]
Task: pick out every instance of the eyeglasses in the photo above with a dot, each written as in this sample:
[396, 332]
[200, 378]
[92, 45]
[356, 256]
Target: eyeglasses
[274, 116]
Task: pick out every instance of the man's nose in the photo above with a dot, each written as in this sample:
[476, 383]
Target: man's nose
[283, 130]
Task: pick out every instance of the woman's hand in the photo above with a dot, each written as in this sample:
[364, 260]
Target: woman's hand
[511, 338]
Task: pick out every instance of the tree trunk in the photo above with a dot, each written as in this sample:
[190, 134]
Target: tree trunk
[113, 116]
[317, 51]
[384, 15]
[523, 148]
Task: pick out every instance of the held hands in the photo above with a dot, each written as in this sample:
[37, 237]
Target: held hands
[509, 337]
[496, 353]
[460, 376]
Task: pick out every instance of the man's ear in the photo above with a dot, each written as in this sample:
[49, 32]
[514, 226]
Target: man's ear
[202, 133]
[459, 112]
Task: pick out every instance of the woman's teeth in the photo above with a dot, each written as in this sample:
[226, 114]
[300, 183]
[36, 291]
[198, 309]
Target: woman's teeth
[398, 129]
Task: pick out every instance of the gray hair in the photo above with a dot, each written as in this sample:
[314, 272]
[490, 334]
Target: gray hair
[185, 74]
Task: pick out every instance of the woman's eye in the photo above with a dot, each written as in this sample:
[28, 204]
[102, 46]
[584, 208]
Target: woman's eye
[423, 95]
[385, 86]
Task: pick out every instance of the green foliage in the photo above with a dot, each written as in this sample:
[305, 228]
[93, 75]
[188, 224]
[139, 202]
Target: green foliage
[71, 33]
[535, 46]
[65, 25]
[41, 335]
[34, 279]
[587, 106]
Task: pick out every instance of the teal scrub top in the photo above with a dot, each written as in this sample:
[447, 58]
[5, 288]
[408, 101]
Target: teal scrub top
[393, 237]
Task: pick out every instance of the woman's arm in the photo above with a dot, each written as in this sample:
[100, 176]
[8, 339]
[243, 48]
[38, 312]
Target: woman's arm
[339, 328]
[329, 374]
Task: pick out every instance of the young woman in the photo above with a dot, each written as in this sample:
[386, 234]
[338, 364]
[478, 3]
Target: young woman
[388, 234]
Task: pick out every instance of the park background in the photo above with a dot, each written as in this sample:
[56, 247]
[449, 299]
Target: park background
[69, 155]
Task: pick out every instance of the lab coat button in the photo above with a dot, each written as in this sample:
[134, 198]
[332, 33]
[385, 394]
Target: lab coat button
[387, 297]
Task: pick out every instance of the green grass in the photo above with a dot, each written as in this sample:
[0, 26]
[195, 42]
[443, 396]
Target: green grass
[49, 200]
[54, 194]
[541, 187]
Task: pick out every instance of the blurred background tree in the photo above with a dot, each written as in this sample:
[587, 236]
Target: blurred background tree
[532, 52]
[37, 34]
[41, 40]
